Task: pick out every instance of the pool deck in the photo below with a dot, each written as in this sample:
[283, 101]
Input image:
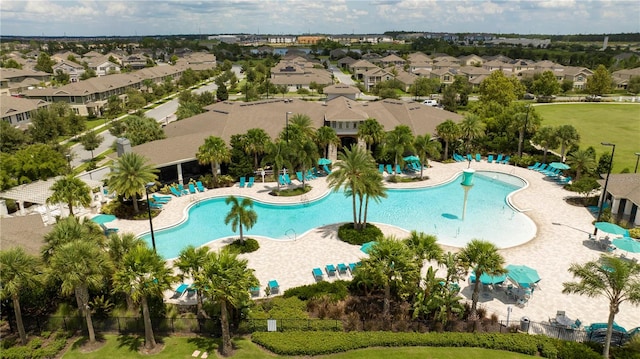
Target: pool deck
[561, 239]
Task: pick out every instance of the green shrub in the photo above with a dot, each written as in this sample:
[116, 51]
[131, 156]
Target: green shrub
[635, 233]
[337, 290]
[573, 350]
[247, 246]
[346, 233]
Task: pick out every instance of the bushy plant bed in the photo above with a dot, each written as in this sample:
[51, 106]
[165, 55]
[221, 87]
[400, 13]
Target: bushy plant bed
[290, 192]
[400, 179]
[124, 210]
[319, 343]
[36, 348]
[348, 234]
[247, 246]
[336, 290]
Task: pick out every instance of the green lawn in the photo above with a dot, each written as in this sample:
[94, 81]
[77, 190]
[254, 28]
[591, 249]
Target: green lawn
[601, 122]
[180, 347]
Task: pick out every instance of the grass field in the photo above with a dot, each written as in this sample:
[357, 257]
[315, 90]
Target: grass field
[122, 347]
[600, 122]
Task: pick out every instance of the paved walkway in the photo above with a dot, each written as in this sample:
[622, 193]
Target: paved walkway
[561, 239]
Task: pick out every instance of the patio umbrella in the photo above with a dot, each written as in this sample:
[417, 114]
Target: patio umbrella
[611, 228]
[367, 246]
[559, 165]
[411, 159]
[324, 161]
[489, 279]
[103, 218]
[627, 244]
[523, 275]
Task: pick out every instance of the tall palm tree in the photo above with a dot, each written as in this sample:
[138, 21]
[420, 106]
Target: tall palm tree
[399, 141]
[371, 132]
[241, 214]
[71, 229]
[568, 136]
[449, 131]
[616, 279]
[582, 161]
[19, 271]
[191, 263]
[373, 188]
[214, 151]
[547, 138]
[144, 274]
[472, 127]
[424, 246]
[117, 246]
[304, 154]
[72, 191]
[483, 257]
[256, 141]
[426, 146]
[80, 265]
[277, 156]
[129, 175]
[349, 173]
[300, 124]
[226, 280]
[326, 136]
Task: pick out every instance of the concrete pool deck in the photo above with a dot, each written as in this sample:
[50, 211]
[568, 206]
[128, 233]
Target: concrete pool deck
[561, 239]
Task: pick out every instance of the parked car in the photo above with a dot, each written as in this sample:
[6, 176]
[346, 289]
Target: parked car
[433, 103]
[529, 96]
[593, 98]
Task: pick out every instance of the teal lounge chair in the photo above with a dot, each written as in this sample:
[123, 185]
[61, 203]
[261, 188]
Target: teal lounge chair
[155, 205]
[316, 174]
[182, 288]
[299, 176]
[389, 169]
[200, 186]
[352, 267]
[542, 168]
[175, 191]
[243, 181]
[287, 179]
[252, 180]
[107, 231]
[274, 287]
[317, 274]
[182, 189]
[331, 270]
[490, 159]
[398, 170]
[506, 160]
[469, 158]
[499, 159]
[281, 180]
[478, 157]
[255, 291]
[564, 180]
[534, 167]
[381, 168]
[192, 188]
[309, 175]
[161, 200]
[326, 169]
[342, 268]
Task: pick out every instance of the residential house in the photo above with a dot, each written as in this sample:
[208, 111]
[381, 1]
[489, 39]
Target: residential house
[474, 74]
[471, 60]
[18, 111]
[418, 56]
[359, 67]
[621, 77]
[375, 76]
[337, 53]
[500, 58]
[446, 76]
[345, 62]
[74, 70]
[134, 62]
[64, 56]
[103, 66]
[445, 58]
[578, 75]
[445, 63]
[520, 65]
[495, 65]
[14, 81]
[338, 90]
[281, 39]
[407, 79]
[392, 60]
[548, 65]
[297, 72]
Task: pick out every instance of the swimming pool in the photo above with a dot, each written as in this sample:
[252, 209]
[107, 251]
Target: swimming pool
[433, 210]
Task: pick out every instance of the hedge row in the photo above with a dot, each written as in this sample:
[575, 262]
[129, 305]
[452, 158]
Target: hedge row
[35, 349]
[319, 343]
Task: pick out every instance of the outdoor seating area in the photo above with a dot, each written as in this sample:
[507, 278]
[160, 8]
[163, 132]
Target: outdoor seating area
[552, 171]
[561, 320]
[469, 158]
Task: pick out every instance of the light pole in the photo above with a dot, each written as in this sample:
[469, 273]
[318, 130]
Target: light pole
[69, 161]
[286, 119]
[153, 239]
[637, 158]
[606, 182]
[524, 131]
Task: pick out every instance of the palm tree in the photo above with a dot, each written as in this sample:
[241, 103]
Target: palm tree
[304, 154]
[214, 151]
[581, 160]
[72, 191]
[276, 155]
[424, 246]
[449, 131]
[399, 141]
[191, 262]
[472, 127]
[349, 173]
[616, 279]
[143, 274]
[71, 229]
[547, 138]
[80, 265]
[483, 257]
[326, 136]
[301, 125]
[568, 136]
[241, 214]
[426, 146]
[129, 175]
[226, 280]
[117, 246]
[256, 141]
[373, 188]
[19, 271]
[371, 132]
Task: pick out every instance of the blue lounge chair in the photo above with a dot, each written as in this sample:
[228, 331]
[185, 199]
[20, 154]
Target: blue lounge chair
[310, 175]
[161, 199]
[317, 274]
[316, 174]
[274, 287]
[281, 180]
[490, 159]
[459, 158]
[255, 291]
[192, 188]
[553, 173]
[506, 160]
[352, 268]
[389, 169]
[381, 168]
[331, 270]
[200, 186]
[326, 169]
[342, 268]
[469, 158]
[175, 191]
[564, 180]
[478, 157]
[542, 168]
[416, 167]
[499, 159]
[287, 179]
[182, 189]
[252, 180]
[534, 167]
[155, 205]
[179, 292]
[398, 170]
[107, 231]
[299, 176]
[243, 181]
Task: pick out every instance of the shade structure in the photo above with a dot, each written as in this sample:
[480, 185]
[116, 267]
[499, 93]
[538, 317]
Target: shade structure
[524, 276]
[612, 228]
[489, 279]
[324, 161]
[627, 244]
[366, 247]
[559, 165]
[103, 218]
[411, 159]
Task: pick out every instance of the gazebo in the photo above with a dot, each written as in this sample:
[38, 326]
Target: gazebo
[623, 194]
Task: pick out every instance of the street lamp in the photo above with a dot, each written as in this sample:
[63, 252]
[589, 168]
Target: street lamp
[637, 158]
[286, 119]
[69, 161]
[146, 189]
[606, 182]
[524, 131]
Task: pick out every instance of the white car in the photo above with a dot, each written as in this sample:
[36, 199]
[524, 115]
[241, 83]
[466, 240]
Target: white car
[432, 103]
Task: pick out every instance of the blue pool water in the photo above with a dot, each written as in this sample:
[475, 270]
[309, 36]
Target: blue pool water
[434, 210]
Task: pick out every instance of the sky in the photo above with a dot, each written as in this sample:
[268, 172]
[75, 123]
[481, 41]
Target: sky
[278, 17]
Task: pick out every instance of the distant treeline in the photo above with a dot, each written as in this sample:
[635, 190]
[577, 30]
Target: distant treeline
[622, 37]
